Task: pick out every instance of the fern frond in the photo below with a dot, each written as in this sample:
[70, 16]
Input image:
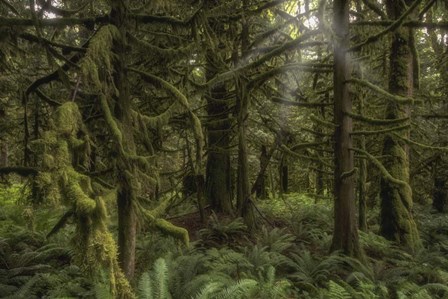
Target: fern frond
[237, 290]
[144, 287]
[336, 291]
[160, 279]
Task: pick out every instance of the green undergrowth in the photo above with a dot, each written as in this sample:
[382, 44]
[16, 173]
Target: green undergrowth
[286, 257]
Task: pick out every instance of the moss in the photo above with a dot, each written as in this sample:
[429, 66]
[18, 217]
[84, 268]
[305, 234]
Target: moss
[173, 230]
[95, 246]
[113, 125]
[67, 119]
[96, 66]
[397, 223]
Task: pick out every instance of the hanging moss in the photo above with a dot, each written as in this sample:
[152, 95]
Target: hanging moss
[59, 181]
[97, 63]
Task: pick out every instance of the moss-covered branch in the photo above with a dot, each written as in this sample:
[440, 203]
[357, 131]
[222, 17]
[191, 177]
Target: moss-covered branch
[113, 126]
[323, 122]
[411, 24]
[425, 146]
[294, 44]
[294, 154]
[166, 52]
[288, 102]
[32, 38]
[395, 98]
[386, 175]
[394, 26]
[388, 130]
[166, 227]
[376, 121]
[182, 99]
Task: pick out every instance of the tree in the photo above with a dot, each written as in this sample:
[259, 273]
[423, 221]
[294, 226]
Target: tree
[345, 236]
[397, 222]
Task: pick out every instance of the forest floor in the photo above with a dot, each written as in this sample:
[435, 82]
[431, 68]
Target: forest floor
[287, 257]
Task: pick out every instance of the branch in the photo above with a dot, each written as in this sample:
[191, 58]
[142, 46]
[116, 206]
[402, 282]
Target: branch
[399, 128]
[20, 170]
[288, 102]
[412, 24]
[425, 146]
[157, 81]
[376, 121]
[62, 12]
[386, 175]
[11, 7]
[395, 98]
[394, 26]
[55, 22]
[292, 45]
[33, 38]
[61, 223]
[373, 6]
[151, 19]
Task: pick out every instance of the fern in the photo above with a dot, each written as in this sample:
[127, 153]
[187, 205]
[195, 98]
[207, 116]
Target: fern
[154, 284]
[336, 291]
[144, 286]
[207, 291]
[276, 240]
[222, 232]
[216, 290]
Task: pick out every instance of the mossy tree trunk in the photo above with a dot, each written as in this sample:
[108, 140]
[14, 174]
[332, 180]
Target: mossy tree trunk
[127, 221]
[218, 171]
[218, 189]
[362, 190]
[345, 235]
[362, 179]
[244, 199]
[397, 222]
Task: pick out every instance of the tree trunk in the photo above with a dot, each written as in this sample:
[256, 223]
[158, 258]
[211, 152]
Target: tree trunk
[345, 236]
[218, 180]
[244, 202]
[244, 196]
[362, 196]
[397, 223]
[127, 221]
[218, 171]
[3, 154]
[362, 180]
[283, 175]
[440, 195]
[260, 183]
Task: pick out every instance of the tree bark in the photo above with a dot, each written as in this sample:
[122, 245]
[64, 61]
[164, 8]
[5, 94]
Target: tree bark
[218, 189]
[345, 236]
[127, 221]
[260, 182]
[218, 179]
[397, 223]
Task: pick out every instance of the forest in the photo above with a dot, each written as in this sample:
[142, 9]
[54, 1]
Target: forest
[210, 149]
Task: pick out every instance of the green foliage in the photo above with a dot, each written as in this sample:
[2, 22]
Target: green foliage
[154, 284]
[227, 231]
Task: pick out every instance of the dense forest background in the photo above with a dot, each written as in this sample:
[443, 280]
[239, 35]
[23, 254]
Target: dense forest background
[223, 149]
